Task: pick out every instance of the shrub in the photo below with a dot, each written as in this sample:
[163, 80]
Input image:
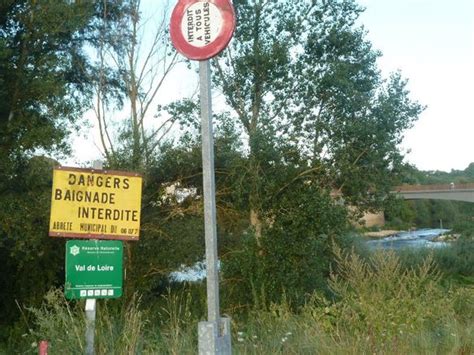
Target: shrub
[292, 256]
[59, 322]
[457, 259]
[383, 304]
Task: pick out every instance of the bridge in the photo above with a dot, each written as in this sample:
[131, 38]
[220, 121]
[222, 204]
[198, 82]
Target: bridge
[453, 192]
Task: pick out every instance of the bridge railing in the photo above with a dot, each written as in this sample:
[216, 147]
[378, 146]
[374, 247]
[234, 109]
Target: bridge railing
[440, 187]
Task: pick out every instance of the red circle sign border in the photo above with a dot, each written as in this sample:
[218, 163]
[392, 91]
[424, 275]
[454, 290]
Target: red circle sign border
[218, 45]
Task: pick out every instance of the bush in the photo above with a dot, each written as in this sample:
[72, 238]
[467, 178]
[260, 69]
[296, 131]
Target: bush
[381, 303]
[378, 307]
[457, 260]
[376, 312]
[291, 257]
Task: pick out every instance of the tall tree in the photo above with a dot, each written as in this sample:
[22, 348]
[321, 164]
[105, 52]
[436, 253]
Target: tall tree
[302, 81]
[45, 87]
[135, 59]
[320, 125]
[42, 75]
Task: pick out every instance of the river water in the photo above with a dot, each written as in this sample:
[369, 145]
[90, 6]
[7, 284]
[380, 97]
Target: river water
[421, 238]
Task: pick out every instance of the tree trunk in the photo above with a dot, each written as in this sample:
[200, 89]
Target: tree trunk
[256, 224]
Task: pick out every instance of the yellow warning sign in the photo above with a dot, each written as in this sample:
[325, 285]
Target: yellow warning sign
[97, 204]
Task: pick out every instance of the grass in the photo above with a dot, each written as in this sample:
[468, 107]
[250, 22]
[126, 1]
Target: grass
[119, 330]
[379, 305]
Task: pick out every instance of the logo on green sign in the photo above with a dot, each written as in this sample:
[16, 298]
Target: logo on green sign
[74, 250]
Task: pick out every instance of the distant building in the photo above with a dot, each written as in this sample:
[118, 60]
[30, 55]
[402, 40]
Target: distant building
[373, 219]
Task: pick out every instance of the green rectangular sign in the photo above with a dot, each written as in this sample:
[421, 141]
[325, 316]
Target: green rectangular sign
[94, 269]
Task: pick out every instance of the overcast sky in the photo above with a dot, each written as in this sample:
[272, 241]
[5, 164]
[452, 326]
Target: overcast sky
[432, 43]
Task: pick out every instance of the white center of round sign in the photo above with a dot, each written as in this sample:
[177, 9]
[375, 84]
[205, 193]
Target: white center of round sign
[201, 24]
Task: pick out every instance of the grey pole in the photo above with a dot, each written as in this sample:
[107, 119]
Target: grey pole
[90, 325]
[209, 192]
[91, 302]
[214, 335]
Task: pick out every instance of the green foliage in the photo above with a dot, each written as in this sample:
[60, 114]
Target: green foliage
[465, 226]
[32, 261]
[380, 307]
[398, 214]
[411, 175]
[383, 304]
[278, 330]
[364, 287]
[60, 323]
[457, 260]
[292, 257]
[454, 261]
[178, 322]
[45, 87]
[44, 75]
[119, 330]
[172, 233]
[304, 86]
[431, 213]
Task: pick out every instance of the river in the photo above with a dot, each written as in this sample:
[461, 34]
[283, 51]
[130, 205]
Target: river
[421, 238]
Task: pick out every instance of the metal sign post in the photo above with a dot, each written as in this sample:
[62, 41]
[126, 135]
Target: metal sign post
[91, 303]
[90, 325]
[201, 29]
[209, 192]
[214, 335]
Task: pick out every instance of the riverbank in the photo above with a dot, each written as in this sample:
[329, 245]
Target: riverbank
[381, 234]
[446, 237]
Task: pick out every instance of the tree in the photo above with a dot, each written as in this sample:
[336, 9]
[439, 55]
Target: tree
[134, 61]
[318, 119]
[293, 255]
[45, 87]
[430, 213]
[302, 81]
[172, 215]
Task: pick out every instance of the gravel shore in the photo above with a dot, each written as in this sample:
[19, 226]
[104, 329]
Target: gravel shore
[381, 234]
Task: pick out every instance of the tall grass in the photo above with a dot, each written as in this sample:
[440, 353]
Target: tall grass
[59, 322]
[119, 330]
[458, 259]
[378, 306]
[178, 324]
[455, 262]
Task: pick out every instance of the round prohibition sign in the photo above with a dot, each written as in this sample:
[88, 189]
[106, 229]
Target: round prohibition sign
[201, 29]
